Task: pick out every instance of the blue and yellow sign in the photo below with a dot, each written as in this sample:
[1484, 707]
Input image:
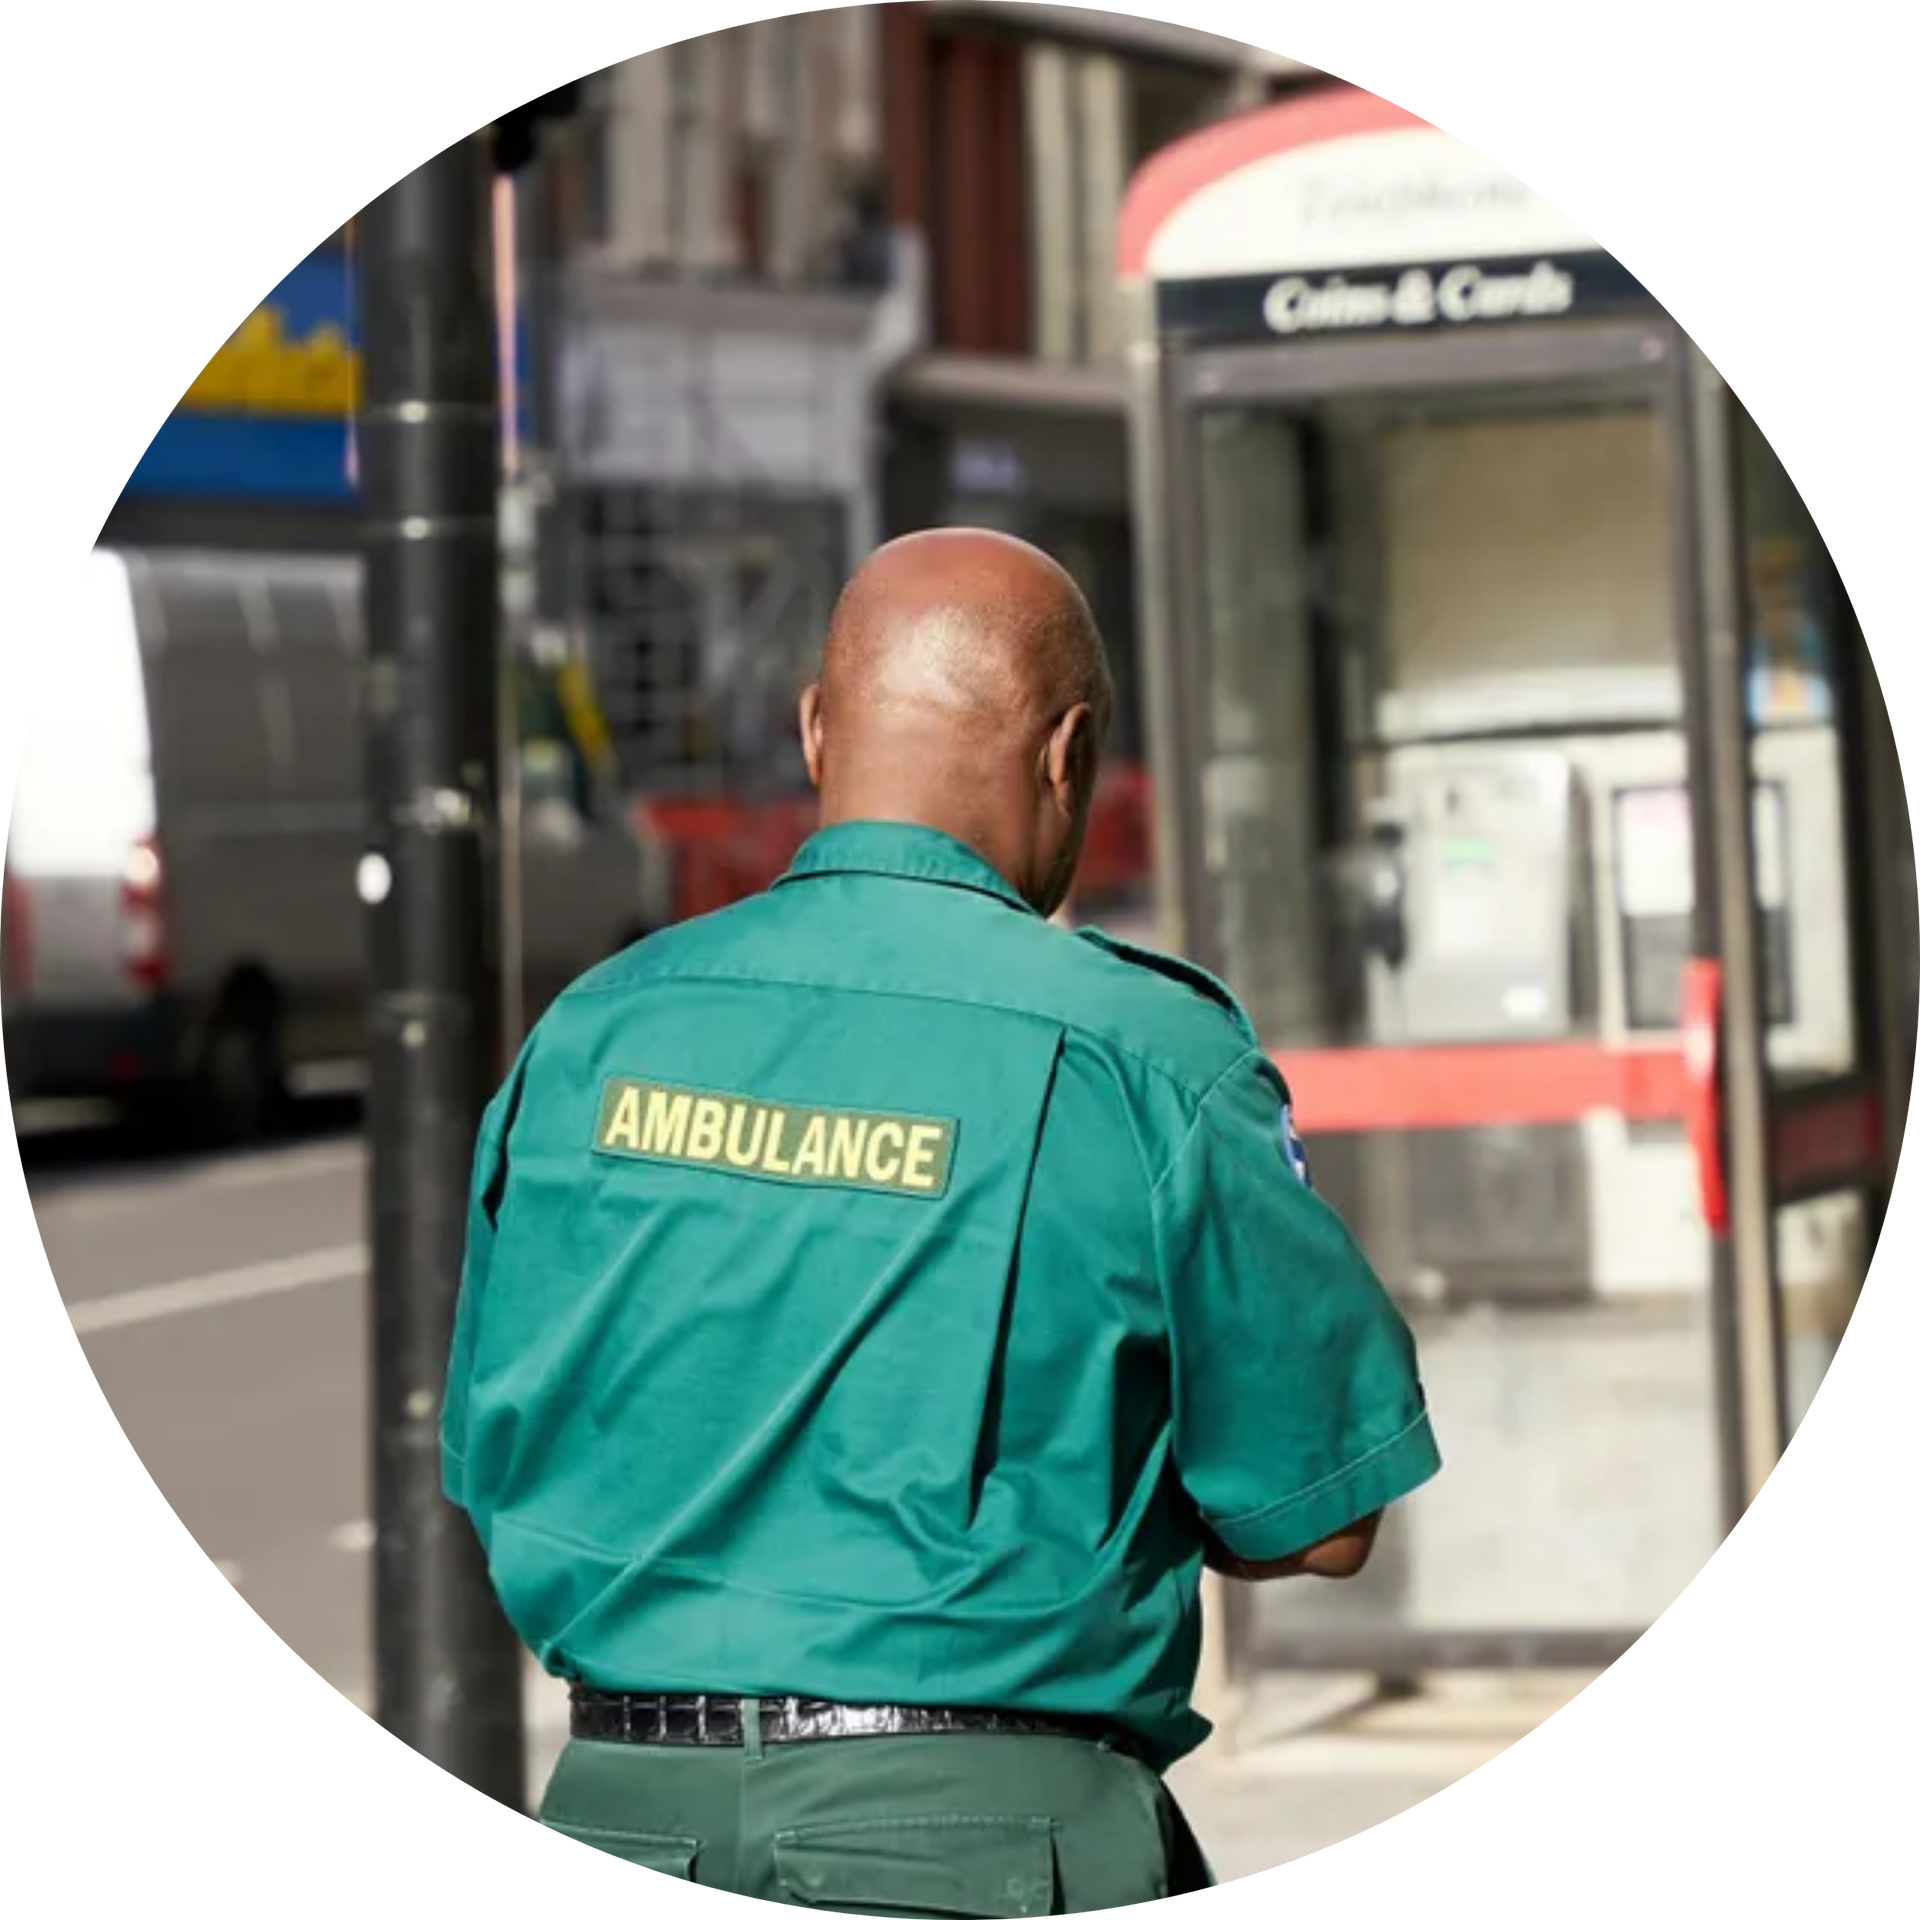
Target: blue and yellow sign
[263, 371]
[271, 416]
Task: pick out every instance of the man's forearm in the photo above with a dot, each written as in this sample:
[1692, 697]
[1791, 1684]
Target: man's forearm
[1229, 1565]
[1338, 1557]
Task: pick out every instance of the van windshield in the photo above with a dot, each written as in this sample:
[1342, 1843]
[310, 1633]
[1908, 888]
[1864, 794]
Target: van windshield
[85, 792]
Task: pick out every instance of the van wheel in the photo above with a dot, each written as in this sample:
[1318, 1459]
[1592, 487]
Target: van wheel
[239, 1090]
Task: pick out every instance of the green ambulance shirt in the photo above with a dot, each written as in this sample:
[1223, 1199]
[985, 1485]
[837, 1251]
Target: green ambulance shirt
[873, 1289]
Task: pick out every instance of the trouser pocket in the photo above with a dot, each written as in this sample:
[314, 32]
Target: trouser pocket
[970, 1865]
[668, 1853]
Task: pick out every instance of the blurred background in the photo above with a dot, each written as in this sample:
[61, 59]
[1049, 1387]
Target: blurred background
[1491, 717]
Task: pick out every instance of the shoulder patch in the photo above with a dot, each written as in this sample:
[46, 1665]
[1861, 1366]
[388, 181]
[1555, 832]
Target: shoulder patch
[1173, 968]
[1290, 1146]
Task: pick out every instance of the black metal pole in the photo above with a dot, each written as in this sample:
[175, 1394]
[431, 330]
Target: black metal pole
[447, 1668]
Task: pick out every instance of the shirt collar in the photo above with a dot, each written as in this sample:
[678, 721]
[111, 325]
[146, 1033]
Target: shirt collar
[901, 852]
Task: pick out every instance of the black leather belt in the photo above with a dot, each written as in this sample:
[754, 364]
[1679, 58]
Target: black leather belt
[719, 1720]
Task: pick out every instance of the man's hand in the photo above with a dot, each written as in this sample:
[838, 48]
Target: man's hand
[1338, 1557]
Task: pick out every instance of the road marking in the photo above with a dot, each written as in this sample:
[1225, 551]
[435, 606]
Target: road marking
[257, 1282]
[321, 1078]
[66, 1194]
[269, 1169]
[356, 1536]
[34, 1119]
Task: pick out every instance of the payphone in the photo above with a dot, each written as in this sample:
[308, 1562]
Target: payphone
[1507, 893]
[1483, 946]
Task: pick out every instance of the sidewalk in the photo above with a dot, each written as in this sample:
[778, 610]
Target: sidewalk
[1315, 1759]
[1318, 1759]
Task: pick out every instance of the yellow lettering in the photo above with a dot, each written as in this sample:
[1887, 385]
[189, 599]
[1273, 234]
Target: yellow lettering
[750, 1136]
[708, 1130]
[747, 1155]
[623, 1130]
[666, 1128]
[219, 386]
[847, 1148]
[328, 383]
[885, 1171]
[922, 1142]
[812, 1157]
[775, 1134]
[261, 369]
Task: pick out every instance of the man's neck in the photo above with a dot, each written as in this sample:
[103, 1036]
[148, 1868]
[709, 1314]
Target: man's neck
[970, 825]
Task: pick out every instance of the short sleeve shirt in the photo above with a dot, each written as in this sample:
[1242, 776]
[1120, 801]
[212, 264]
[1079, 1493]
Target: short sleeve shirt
[876, 1293]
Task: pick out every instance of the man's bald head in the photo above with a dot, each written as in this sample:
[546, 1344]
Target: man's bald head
[975, 625]
[964, 687]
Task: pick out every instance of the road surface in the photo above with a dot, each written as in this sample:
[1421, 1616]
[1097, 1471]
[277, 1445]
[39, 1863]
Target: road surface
[221, 1304]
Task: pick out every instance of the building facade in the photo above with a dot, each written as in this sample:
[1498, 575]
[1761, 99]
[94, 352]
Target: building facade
[1012, 133]
[818, 281]
[773, 294]
[713, 295]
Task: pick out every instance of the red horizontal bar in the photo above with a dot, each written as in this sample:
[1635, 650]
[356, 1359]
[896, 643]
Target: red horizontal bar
[1376, 1089]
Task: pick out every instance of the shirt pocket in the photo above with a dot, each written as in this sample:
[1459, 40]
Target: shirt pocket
[983, 1866]
[670, 1853]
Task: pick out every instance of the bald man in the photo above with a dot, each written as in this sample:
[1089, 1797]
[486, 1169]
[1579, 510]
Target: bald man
[880, 1304]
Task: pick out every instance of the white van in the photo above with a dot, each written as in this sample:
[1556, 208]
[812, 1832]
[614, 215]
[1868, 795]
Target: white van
[181, 917]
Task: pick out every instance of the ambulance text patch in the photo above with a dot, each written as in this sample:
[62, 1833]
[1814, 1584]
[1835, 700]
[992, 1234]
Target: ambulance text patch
[818, 1146]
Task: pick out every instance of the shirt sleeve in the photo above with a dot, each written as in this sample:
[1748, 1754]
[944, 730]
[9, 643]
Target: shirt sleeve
[1297, 1402]
[486, 1189]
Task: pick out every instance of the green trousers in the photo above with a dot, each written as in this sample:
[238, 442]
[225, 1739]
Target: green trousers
[953, 1824]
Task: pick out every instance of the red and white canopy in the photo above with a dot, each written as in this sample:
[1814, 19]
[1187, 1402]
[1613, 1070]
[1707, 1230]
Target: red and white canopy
[1337, 178]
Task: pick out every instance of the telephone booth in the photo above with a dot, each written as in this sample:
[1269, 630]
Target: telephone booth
[1518, 761]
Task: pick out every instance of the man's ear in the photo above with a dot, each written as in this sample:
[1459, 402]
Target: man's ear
[812, 736]
[1072, 760]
